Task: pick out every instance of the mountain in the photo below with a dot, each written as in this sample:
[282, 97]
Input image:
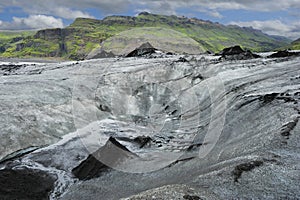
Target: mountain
[164, 39]
[295, 45]
[8, 38]
[83, 35]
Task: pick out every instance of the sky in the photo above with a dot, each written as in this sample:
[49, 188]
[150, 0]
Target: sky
[274, 17]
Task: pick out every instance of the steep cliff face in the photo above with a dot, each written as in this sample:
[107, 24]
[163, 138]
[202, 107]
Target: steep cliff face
[57, 36]
[67, 43]
[50, 34]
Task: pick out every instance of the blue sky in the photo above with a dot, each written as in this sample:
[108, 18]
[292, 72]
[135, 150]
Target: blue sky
[275, 17]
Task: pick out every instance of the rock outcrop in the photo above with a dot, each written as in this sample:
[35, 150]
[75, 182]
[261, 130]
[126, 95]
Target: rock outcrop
[25, 184]
[144, 49]
[283, 54]
[236, 53]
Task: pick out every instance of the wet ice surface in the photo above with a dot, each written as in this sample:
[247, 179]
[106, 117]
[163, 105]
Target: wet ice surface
[78, 106]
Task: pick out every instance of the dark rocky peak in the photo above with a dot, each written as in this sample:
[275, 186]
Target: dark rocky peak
[146, 45]
[144, 49]
[236, 53]
[231, 50]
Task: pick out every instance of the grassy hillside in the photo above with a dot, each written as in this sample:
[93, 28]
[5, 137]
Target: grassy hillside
[8, 35]
[295, 45]
[8, 39]
[164, 39]
[213, 36]
[84, 35]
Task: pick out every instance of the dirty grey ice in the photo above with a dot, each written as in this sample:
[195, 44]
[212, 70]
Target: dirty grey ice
[170, 127]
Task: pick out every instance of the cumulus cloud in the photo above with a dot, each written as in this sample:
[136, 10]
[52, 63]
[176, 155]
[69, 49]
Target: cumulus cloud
[273, 27]
[215, 14]
[71, 9]
[115, 6]
[212, 13]
[217, 5]
[32, 22]
[68, 9]
[171, 7]
[156, 7]
[68, 13]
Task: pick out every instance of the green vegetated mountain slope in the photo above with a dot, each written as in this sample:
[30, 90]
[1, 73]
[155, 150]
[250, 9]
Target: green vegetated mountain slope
[295, 45]
[84, 35]
[10, 38]
[164, 39]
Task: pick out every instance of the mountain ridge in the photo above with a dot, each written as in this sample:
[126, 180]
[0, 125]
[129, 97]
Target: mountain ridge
[83, 35]
[295, 45]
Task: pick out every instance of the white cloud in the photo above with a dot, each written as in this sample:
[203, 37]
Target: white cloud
[32, 22]
[273, 27]
[68, 13]
[71, 9]
[158, 7]
[68, 9]
[218, 5]
[215, 14]
[115, 6]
